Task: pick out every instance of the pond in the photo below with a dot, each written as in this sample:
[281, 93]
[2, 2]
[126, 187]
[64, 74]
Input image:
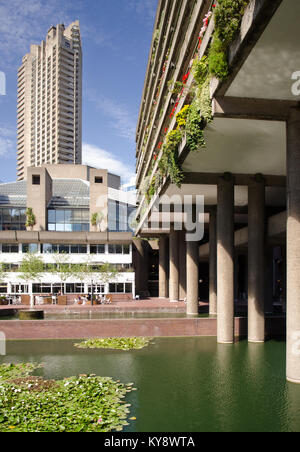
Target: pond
[184, 384]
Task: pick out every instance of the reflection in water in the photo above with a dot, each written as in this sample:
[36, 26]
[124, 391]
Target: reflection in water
[184, 384]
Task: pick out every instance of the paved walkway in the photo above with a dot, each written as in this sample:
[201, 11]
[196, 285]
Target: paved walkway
[148, 305]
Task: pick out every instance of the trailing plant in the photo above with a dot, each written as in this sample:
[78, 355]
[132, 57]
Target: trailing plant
[181, 117]
[194, 128]
[175, 87]
[204, 101]
[30, 218]
[168, 164]
[217, 59]
[94, 219]
[200, 70]
[228, 17]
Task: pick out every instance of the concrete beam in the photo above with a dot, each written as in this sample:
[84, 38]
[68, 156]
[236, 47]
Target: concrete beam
[256, 18]
[276, 227]
[239, 179]
[246, 108]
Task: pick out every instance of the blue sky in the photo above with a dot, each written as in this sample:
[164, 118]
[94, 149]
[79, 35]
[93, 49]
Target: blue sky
[116, 37]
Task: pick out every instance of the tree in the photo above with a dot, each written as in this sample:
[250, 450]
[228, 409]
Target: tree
[96, 272]
[3, 273]
[63, 269]
[31, 269]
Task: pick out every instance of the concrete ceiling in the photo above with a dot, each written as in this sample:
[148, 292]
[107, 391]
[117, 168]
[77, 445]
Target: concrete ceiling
[267, 73]
[241, 146]
[275, 196]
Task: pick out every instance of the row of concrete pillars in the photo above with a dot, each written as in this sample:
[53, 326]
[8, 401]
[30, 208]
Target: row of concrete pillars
[184, 263]
[179, 271]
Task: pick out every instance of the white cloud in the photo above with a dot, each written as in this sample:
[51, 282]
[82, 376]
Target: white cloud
[7, 145]
[23, 23]
[99, 158]
[121, 119]
[146, 9]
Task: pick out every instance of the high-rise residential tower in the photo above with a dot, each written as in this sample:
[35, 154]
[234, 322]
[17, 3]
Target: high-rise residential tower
[50, 101]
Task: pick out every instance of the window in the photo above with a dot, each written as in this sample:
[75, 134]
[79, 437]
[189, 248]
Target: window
[76, 220]
[120, 288]
[12, 219]
[49, 248]
[98, 180]
[8, 248]
[119, 249]
[97, 249]
[36, 179]
[30, 248]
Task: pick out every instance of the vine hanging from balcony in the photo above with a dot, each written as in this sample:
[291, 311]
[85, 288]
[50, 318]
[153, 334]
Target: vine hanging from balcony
[192, 119]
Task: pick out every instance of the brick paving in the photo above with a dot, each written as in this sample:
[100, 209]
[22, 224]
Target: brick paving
[153, 327]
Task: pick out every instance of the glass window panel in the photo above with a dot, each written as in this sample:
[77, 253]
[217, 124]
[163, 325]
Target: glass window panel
[3, 288]
[6, 216]
[77, 216]
[77, 227]
[120, 288]
[93, 249]
[101, 249]
[51, 227]
[68, 227]
[112, 249]
[68, 216]
[112, 288]
[126, 249]
[60, 216]
[15, 216]
[119, 249]
[82, 249]
[128, 287]
[46, 248]
[85, 227]
[60, 227]
[85, 215]
[23, 216]
[64, 249]
[51, 216]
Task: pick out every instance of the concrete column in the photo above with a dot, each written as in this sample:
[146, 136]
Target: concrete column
[256, 260]
[293, 247]
[174, 266]
[182, 266]
[192, 277]
[163, 267]
[141, 266]
[269, 279]
[213, 262]
[225, 259]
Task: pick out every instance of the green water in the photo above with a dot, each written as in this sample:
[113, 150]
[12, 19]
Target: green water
[184, 384]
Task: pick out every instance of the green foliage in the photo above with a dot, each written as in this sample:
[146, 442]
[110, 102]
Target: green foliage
[217, 59]
[168, 164]
[228, 16]
[116, 343]
[32, 267]
[200, 70]
[30, 218]
[12, 371]
[94, 219]
[175, 87]
[181, 117]
[77, 404]
[194, 128]
[3, 273]
[204, 102]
